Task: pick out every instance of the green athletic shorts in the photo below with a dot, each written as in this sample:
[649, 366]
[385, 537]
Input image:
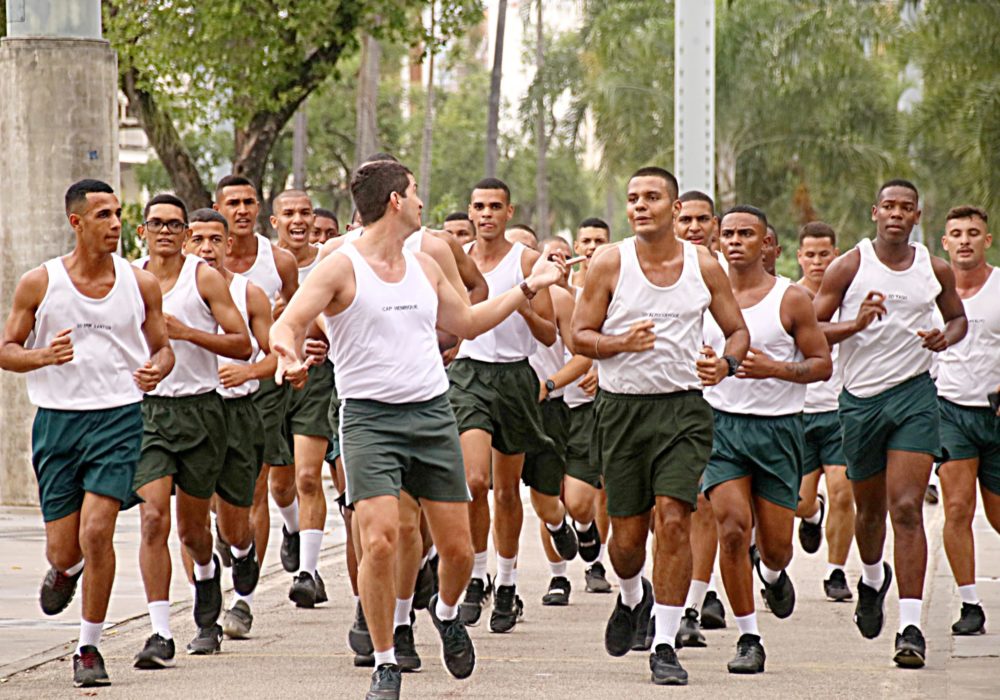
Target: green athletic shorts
[969, 432]
[272, 401]
[244, 451]
[905, 417]
[651, 445]
[183, 437]
[768, 449]
[309, 407]
[500, 398]
[580, 464]
[413, 446]
[78, 451]
[824, 444]
[333, 413]
[544, 469]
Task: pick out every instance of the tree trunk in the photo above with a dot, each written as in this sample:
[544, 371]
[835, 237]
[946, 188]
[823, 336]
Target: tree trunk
[366, 126]
[541, 141]
[428, 135]
[300, 145]
[493, 115]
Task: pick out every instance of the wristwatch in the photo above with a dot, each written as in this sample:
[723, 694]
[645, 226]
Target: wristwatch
[527, 291]
[734, 364]
[550, 385]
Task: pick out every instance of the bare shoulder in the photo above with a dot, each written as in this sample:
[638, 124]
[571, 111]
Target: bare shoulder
[256, 295]
[846, 266]
[330, 246]
[606, 259]
[437, 248]
[429, 265]
[33, 285]
[283, 257]
[797, 298]
[528, 259]
[942, 270]
[147, 281]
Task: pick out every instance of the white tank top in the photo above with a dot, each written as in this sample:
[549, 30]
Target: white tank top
[889, 352]
[264, 271]
[384, 345]
[722, 260]
[573, 395]
[196, 370]
[676, 312]
[970, 369]
[822, 397]
[511, 340]
[548, 360]
[414, 241]
[759, 397]
[108, 344]
[239, 288]
[304, 271]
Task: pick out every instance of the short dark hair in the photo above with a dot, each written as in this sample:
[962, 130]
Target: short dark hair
[747, 209]
[289, 193]
[774, 234]
[896, 182]
[380, 155]
[78, 191]
[656, 171]
[373, 184]
[697, 196]
[967, 211]
[206, 215]
[554, 239]
[594, 222]
[232, 181]
[458, 216]
[523, 227]
[817, 229]
[166, 198]
[492, 183]
[326, 214]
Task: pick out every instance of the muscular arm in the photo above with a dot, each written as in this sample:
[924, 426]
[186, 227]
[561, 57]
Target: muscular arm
[799, 319]
[259, 312]
[329, 288]
[233, 341]
[28, 295]
[472, 278]
[571, 371]
[563, 305]
[538, 313]
[836, 280]
[592, 309]
[154, 328]
[288, 271]
[956, 325]
[724, 307]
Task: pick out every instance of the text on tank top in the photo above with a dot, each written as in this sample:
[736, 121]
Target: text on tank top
[264, 271]
[384, 345]
[889, 351]
[676, 312]
[511, 340]
[239, 287]
[822, 397]
[970, 369]
[108, 343]
[759, 397]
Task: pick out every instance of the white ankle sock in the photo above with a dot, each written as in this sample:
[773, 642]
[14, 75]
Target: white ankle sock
[239, 553]
[445, 612]
[631, 590]
[402, 615]
[696, 594]
[711, 584]
[815, 518]
[968, 594]
[505, 571]
[90, 634]
[830, 568]
[747, 624]
[558, 568]
[309, 543]
[248, 599]
[668, 621]
[600, 556]
[769, 575]
[290, 515]
[909, 612]
[555, 528]
[583, 527]
[203, 572]
[385, 657]
[479, 563]
[159, 618]
[873, 575]
[75, 569]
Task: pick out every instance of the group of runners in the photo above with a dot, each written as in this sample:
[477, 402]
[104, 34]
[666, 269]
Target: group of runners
[671, 384]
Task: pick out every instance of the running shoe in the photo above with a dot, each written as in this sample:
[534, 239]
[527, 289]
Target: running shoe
[57, 591]
[869, 613]
[780, 595]
[971, 621]
[477, 595]
[589, 541]
[237, 621]
[207, 641]
[507, 609]
[407, 657]
[386, 682]
[358, 638]
[836, 587]
[564, 540]
[303, 590]
[457, 650]
[88, 668]
[246, 572]
[811, 534]
[596, 578]
[320, 589]
[713, 614]
[289, 550]
[911, 650]
[558, 593]
[158, 653]
[665, 668]
[688, 634]
[749, 657]
[645, 623]
[208, 598]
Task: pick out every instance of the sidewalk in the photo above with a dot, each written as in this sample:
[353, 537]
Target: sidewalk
[555, 652]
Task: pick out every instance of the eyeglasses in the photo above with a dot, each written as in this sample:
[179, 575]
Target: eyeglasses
[156, 225]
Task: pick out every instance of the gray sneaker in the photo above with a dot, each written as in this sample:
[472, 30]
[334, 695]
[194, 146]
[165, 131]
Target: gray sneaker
[208, 641]
[237, 621]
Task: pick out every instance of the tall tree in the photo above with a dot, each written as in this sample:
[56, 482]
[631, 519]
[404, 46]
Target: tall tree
[493, 114]
[366, 128]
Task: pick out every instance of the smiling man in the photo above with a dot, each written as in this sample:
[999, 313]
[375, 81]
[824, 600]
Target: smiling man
[590, 235]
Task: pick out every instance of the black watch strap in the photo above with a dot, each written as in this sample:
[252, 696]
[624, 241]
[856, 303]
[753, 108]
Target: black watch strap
[734, 364]
[550, 385]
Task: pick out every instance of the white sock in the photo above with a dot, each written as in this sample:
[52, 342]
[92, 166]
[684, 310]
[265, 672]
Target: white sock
[290, 514]
[711, 584]
[203, 572]
[558, 568]
[909, 612]
[159, 618]
[239, 553]
[668, 621]
[445, 612]
[873, 575]
[631, 590]
[248, 599]
[555, 528]
[831, 567]
[583, 527]
[402, 615]
[90, 634]
[600, 555]
[385, 657]
[696, 594]
[479, 562]
[815, 518]
[769, 575]
[505, 571]
[356, 600]
[309, 543]
[75, 569]
[747, 624]
[968, 594]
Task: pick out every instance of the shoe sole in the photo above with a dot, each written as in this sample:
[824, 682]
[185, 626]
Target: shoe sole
[555, 603]
[693, 643]
[233, 633]
[981, 630]
[712, 624]
[745, 671]
[153, 664]
[92, 684]
[407, 665]
[505, 630]
[203, 652]
[668, 681]
[908, 658]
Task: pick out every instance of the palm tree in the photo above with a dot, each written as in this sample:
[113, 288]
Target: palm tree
[493, 115]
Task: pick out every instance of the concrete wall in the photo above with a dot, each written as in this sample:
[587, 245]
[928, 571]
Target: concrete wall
[58, 124]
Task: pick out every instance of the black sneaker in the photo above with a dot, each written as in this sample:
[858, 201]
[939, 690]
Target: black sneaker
[426, 585]
[237, 621]
[910, 648]
[88, 668]
[358, 638]
[688, 635]
[665, 668]
[931, 494]
[303, 590]
[289, 550]
[386, 682]
[558, 593]
[564, 540]
[364, 660]
[589, 542]
[972, 620]
[222, 548]
[507, 609]
[713, 614]
[869, 613]
[246, 572]
[207, 641]
[457, 650]
[811, 535]
[158, 653]
[645, 623]
[749, 657]
[320, 589]
[477, 595]
[621, 628]
[208, 598]
[57, 591]
[406, 649]
[836, 587]
[596, 578]
[780, 595]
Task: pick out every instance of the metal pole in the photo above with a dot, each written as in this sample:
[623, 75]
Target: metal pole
[694, 95]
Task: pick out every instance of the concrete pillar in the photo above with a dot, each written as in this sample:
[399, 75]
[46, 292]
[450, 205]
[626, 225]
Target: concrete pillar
[58, 124]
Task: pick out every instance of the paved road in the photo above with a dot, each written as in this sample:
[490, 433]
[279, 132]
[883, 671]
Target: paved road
[555, 653]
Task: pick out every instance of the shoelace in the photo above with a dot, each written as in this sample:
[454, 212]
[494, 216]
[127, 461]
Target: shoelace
[454, 636]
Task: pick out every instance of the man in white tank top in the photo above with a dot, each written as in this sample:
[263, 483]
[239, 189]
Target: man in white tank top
[754, 472]
[970, 428]
[591, 235]
[885, 290]
[640, 317]
[244, 456]
[824, 455]
[95, 321]
[184, 431]
[397, 429]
